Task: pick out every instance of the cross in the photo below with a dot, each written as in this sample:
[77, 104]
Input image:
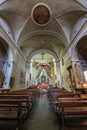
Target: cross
[42, 55]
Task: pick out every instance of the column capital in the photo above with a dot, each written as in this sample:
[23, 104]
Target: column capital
[75, 61]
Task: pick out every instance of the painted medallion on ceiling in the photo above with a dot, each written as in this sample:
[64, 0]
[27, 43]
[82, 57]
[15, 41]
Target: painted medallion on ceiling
[41, 14]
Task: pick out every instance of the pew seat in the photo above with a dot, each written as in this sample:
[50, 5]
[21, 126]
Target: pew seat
[71, 109]
[11, 110]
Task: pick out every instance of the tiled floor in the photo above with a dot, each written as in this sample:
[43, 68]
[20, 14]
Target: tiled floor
[43, 118]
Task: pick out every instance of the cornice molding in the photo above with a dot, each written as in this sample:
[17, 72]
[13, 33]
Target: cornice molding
[41, 32]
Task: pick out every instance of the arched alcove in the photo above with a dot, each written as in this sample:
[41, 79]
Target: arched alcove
[79, 61]
[82, 56]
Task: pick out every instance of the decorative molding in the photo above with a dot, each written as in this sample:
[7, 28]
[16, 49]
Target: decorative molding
[11, 43]
[2, 2]
[84, 4]
[43, 50]
[41, 32]
[41, 14]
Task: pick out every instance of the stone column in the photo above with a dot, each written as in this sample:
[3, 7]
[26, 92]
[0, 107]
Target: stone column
[59, 80]
[27, 84]
[8, 68]
[77, 72]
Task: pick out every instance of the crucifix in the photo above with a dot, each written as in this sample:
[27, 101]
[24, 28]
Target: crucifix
[43, 55]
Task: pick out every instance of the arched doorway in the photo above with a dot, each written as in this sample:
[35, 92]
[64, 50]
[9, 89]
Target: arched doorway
[82, 55]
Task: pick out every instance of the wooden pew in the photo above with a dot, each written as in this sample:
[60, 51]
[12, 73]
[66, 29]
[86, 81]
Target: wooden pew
[3, 90]
[72, 108]
[82, 90]
[56, 93]
[30, 97]
[11, 109]
[56, 102]
[61, 95]
[67, 104]
[33, 93]
[65, 94]
[24, 99]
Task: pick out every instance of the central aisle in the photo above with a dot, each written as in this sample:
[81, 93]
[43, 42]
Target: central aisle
[41, 117]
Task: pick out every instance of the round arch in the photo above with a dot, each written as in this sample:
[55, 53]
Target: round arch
[56, 63]
[73, 49]
[79, 59]
[43, 50]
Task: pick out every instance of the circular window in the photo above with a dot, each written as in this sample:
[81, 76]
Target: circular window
[41, 14]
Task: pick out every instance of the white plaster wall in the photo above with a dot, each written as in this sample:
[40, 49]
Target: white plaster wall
[63, 69]
[6, 27]
[78, 26]
[83, 2]
[18, 67]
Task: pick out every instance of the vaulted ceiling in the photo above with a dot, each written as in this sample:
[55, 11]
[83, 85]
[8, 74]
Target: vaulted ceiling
[42, 24]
